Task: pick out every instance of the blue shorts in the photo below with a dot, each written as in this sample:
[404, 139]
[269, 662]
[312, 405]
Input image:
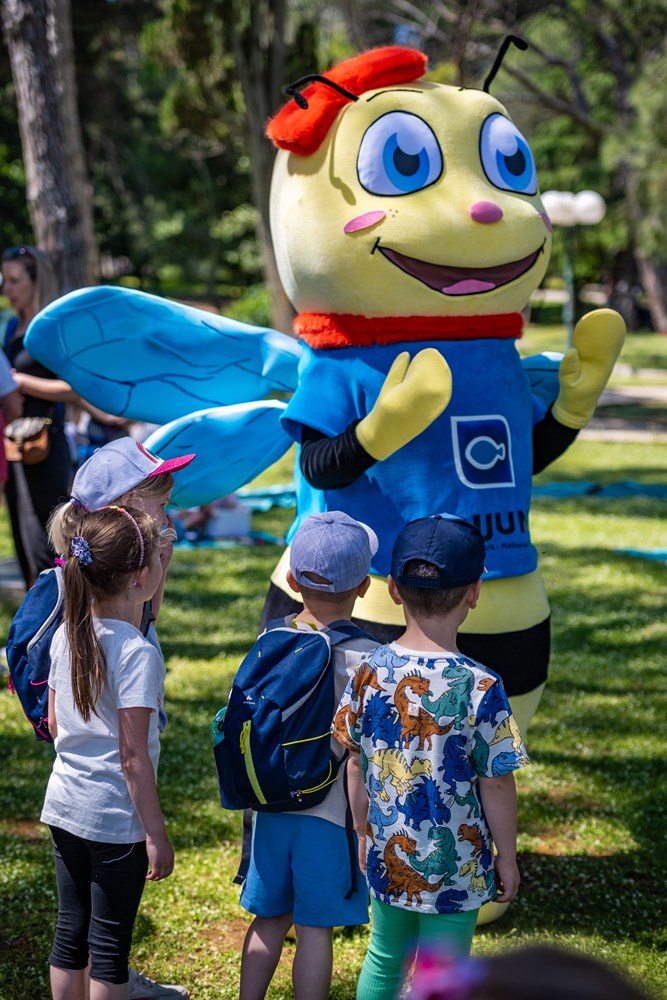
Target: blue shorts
[301, 865]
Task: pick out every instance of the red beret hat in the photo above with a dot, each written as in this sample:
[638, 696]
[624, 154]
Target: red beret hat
[302, 130]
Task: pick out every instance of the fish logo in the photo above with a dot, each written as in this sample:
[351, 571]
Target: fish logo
[483, 451]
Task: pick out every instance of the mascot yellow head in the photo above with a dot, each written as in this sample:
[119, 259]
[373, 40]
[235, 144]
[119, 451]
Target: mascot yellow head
[393, 196]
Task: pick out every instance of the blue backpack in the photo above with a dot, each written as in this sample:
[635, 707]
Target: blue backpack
[29, 644]
[272, 741]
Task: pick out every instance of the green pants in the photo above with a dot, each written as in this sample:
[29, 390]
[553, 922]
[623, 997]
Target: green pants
[395, 931]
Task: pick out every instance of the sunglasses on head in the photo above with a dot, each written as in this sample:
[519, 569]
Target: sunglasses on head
[15, 253]
[26, 254]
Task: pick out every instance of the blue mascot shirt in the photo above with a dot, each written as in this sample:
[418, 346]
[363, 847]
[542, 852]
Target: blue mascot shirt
[475, 460]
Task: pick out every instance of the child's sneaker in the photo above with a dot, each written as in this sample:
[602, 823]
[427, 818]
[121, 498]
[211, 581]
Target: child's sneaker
[144, 988]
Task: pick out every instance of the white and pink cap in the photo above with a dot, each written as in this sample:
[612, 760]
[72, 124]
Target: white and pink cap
[118, 467]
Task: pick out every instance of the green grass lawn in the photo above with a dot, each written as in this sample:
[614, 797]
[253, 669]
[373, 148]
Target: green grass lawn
[593, 815]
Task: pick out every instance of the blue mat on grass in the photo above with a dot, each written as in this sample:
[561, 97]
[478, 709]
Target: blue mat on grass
[610, 491]
[262, 499]
[660, 555]
[250, 538]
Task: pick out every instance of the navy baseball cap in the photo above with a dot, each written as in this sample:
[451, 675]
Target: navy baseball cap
[334, 546]
[453, 545]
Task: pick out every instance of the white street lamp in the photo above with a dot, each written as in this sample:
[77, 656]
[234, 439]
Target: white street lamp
[568, 210]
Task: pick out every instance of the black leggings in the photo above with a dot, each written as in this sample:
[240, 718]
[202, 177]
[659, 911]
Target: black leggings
[99, 891]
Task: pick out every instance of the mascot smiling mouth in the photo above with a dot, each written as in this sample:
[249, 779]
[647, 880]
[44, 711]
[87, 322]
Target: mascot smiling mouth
[459, 280]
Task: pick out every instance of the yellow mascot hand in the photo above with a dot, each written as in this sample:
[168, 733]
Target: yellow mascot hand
[413, 395]
[585, 369]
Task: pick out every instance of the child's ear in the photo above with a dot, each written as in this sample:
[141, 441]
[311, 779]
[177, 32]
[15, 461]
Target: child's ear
[362, 589]
[472, 596]
[292, 582]
[393, 590]
[141, 576]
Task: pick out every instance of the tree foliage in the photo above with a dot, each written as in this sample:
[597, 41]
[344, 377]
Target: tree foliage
[174, 95]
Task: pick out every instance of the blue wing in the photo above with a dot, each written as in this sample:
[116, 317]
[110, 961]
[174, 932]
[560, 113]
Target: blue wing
[542, 372]
[233, 444]
[148, 358]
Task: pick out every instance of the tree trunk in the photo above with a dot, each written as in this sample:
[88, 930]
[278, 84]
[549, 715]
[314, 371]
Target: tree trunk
[651, 272]
[260, 62]
[262, 155]
[61, 46]
[54, 213]
[654, 282]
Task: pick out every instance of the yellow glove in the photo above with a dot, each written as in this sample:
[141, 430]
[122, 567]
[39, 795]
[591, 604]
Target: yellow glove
[585, 369]
[414, 394]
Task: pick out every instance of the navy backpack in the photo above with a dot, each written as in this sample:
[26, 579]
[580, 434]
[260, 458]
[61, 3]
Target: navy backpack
[273, 740]
[29, 644]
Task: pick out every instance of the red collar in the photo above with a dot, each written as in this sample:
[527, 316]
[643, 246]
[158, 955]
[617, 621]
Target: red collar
[330, 330]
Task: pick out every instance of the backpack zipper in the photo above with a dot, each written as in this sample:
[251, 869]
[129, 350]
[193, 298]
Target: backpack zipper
[308, 739]
[300, 792]
[244, 743]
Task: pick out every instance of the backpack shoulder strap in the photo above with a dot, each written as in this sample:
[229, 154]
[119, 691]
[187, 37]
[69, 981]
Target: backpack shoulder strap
[349, 836]
[285, 622]
[56, 610]
[246, 849]
[342, 630]
[147, 617]
[338, 631]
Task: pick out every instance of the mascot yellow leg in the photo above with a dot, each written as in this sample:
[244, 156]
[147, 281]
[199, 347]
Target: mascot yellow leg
[524, 707]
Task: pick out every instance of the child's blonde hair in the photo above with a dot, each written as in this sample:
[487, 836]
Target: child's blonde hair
[65, 520]
[110, 546]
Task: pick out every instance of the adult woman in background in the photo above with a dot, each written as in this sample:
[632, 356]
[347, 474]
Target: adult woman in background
[32, 491]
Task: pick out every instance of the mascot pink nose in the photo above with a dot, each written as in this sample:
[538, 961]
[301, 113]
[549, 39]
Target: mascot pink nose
[486, 211]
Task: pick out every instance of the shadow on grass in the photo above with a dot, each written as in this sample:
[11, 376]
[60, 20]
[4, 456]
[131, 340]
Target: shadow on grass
[578, 894]
[644, 474]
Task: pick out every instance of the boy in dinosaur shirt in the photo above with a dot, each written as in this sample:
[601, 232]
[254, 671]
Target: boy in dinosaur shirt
[433, 747]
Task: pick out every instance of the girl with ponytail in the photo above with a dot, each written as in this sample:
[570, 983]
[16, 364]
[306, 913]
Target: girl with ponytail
[106, 688]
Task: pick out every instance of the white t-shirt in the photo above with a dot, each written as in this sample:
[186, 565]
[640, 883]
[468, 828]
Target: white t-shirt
[87, 794]
[7, 383]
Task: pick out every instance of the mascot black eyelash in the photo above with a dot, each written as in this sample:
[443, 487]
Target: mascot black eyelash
[409, 234]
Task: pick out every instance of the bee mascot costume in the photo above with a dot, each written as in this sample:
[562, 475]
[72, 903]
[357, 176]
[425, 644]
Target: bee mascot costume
[409, 235]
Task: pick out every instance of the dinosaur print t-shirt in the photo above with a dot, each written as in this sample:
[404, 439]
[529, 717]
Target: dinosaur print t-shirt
[428, 726]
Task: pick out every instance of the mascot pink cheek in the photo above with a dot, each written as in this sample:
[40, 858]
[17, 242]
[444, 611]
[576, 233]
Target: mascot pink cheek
[363, 221]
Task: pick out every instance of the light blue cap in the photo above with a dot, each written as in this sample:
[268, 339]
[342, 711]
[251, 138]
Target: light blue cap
[333, 546]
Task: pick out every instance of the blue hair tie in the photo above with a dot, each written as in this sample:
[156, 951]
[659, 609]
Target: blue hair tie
[80, 549]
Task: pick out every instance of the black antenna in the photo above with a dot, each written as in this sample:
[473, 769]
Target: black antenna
[292, 90]
[509, 40]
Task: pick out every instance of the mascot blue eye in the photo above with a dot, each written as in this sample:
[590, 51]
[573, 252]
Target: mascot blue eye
[506, 156]
[399, 154]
